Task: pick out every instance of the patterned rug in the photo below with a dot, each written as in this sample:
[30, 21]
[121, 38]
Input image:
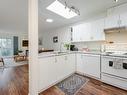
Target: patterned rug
[10, 62]
[72, 84]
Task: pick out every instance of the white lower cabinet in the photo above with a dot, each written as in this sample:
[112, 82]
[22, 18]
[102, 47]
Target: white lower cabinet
[47, 72]
[89, 64]
[71, 63]
[54, 69]
[79, 63]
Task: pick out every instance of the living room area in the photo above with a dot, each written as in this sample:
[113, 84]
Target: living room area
[13, 49]
[13, 33]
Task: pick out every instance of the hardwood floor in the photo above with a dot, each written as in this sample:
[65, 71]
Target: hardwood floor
[14, 81]
[93, 87]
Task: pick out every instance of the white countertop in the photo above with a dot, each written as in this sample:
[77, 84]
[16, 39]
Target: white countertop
[50, 54]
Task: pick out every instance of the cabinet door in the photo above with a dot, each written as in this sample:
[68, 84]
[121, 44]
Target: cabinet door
[81, 32]
[86, 32]
[97, 30]
[112, 21]
[91, 65]
[79, 63]
[76, 34]
[60, 64]
[123, 19]
[71, 64]
[47, 72]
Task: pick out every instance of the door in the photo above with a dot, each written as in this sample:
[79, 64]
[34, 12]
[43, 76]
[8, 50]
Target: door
[6, 46]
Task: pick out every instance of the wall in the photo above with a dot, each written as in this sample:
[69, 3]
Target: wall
[64, 36]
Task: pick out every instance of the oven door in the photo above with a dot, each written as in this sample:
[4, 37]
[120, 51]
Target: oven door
[107, 66]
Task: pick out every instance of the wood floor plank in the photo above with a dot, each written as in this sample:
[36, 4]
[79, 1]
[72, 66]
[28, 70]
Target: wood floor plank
[14, 81]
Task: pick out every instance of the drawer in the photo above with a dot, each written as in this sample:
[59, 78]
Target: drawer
[115, 81]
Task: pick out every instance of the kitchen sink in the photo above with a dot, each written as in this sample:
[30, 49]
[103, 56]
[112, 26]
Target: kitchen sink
[59, 52]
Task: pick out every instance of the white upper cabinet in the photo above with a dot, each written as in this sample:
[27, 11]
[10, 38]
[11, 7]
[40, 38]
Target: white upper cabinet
[92, 31]
[112, 21]
[116, 17]
[97, 30]
[123, 19]
[81, 32]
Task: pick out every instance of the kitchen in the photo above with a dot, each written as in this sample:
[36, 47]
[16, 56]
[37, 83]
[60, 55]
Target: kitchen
[94, 47]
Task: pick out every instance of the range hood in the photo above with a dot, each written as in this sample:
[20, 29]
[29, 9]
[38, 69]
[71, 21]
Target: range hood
[115, 29]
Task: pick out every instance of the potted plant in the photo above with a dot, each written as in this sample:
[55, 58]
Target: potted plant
[67, 46]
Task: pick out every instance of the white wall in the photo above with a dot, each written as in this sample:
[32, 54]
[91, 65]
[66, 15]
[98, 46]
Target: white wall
[64, 36]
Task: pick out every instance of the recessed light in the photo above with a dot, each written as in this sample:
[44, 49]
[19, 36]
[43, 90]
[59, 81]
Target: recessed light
[49, 20]
[58, 8]
[116, 0]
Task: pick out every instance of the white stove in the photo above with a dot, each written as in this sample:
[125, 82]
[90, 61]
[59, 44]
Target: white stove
[114, 68]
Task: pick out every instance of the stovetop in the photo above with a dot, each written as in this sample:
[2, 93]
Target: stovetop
[116, 53]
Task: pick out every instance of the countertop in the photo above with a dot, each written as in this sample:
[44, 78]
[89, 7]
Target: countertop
[56, 53]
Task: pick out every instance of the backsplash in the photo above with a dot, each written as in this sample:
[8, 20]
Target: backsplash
[117, 37]
[116, 47]
[96, 46]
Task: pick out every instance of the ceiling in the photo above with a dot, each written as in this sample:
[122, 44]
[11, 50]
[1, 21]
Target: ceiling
[88, 8]
[14, 13]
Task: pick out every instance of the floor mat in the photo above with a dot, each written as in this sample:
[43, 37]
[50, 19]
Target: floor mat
[72, 84]
[10, 62]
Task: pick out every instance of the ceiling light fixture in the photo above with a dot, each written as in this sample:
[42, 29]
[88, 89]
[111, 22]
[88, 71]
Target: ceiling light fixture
[49, 20]
[63, 10]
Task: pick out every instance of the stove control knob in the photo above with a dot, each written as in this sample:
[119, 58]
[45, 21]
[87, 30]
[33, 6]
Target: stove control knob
[125, 65]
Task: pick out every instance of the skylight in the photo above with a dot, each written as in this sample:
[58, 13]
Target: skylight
[60, 9]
